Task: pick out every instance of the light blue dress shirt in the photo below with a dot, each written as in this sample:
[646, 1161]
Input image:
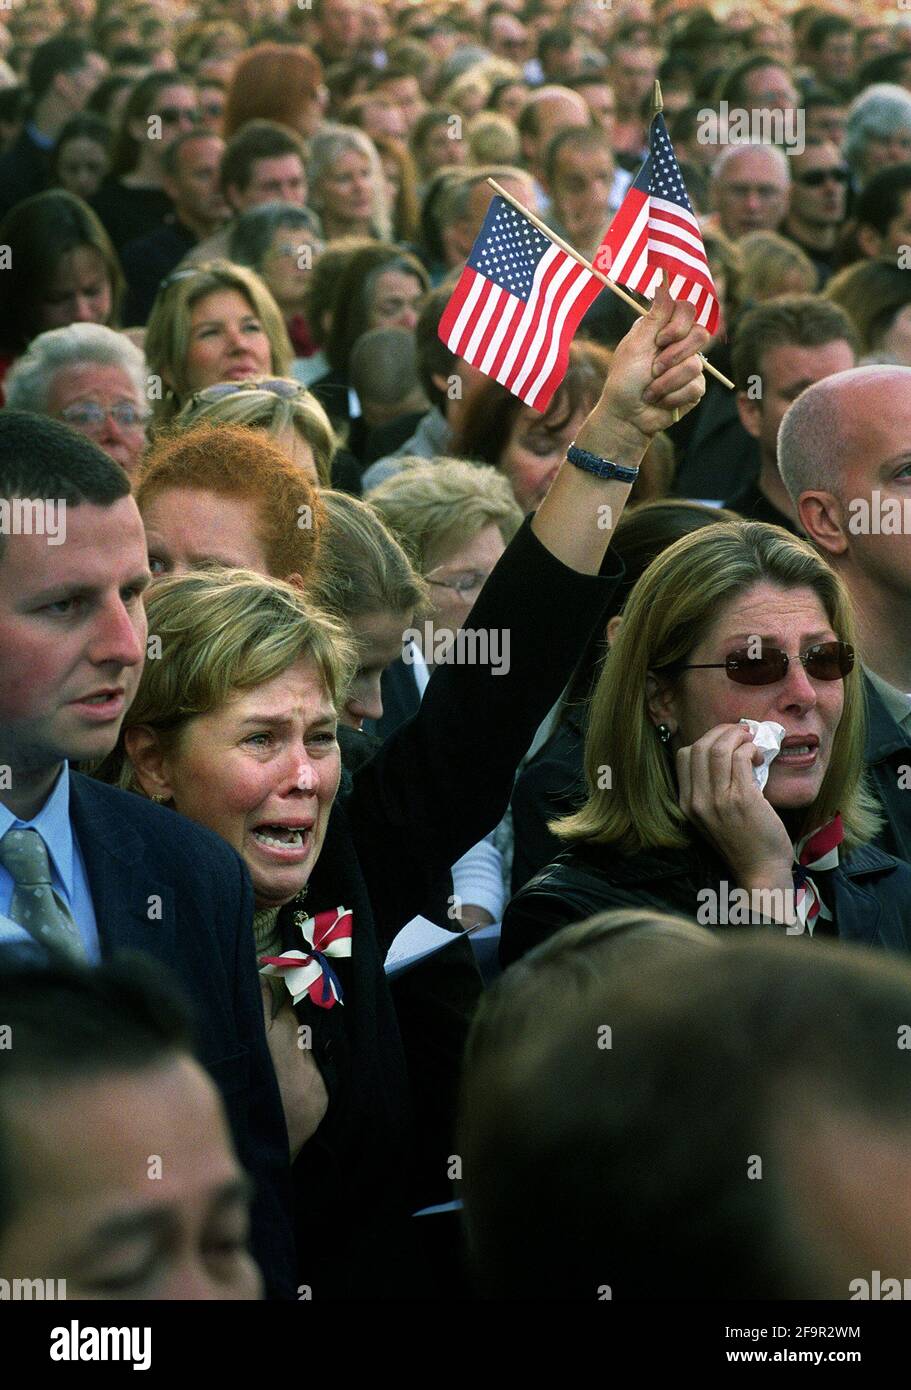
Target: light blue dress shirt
[68, 876]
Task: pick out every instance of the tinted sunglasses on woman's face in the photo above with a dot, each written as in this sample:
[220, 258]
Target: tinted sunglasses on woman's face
[825, 661]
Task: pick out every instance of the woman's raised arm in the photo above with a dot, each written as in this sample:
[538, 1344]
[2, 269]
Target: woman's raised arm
[655, 371]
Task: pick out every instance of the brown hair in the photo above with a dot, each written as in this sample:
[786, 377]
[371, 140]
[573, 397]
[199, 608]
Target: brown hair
[804, 320]
[872, 293]
[356, 283]
[273, 82]
[491, 411]
[241, 462]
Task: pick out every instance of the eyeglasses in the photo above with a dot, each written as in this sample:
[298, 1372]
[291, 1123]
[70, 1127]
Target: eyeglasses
[465, 583]
[170, 115]
[815, 178]
[89, 415]
[277, 386]
[826, 661]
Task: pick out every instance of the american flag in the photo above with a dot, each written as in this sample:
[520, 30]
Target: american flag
[655, 230]
[517, 305]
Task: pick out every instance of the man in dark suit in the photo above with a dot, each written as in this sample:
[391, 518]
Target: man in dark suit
[62, 76]
[86, 869]
[844, 456]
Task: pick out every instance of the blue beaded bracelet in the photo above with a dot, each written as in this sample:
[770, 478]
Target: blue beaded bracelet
[602, 468]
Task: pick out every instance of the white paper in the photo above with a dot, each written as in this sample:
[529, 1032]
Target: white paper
[417, 939]
[767, 737]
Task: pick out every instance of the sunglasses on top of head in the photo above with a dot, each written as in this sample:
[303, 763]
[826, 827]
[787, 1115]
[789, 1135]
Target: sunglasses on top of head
[825, 661]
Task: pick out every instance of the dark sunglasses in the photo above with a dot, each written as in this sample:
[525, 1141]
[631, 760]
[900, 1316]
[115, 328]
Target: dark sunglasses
[827, 661]
[815, 178]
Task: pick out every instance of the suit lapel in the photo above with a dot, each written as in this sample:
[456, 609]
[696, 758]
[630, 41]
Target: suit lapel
[133, 912]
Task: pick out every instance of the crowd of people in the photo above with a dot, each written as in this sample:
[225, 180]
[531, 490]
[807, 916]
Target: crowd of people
[312, 635]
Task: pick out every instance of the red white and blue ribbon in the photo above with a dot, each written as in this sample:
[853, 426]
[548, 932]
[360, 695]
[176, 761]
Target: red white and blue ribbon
[816, 851]
[310, 972]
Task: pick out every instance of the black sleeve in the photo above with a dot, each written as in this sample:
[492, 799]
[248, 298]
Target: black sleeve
[443, 780]
[266, 1157]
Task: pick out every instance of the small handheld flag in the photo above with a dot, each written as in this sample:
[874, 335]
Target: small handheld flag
[517, 304]
[655, 230]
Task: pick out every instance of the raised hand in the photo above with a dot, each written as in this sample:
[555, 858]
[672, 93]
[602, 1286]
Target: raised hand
[656, 370]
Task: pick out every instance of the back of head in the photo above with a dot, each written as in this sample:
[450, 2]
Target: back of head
[872, 293]
[363, 568]
[619, 1113]
[772, 266]
[383, 366]
[274, 82]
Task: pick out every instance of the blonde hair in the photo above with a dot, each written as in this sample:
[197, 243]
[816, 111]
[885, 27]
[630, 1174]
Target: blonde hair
[671, 607]
[224, 631]
[260, 408]
[493, 139]
[167, 335]
[770, 262]
[444, 504]
[362, 568]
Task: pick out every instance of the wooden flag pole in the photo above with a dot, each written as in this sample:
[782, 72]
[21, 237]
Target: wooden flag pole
[570, 251]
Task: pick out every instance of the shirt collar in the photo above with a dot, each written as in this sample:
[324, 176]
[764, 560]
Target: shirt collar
[38, 137]
[53, 825]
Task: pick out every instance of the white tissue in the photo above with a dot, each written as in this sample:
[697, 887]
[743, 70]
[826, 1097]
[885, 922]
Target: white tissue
[767, 737]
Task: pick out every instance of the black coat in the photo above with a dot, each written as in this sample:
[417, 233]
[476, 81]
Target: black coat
[146, 262]
[162, 885]
[888, 757]
[25, 169]
[869, 893]
[438, 785]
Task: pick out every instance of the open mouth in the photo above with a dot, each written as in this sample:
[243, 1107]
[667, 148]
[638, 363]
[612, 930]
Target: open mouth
[801, 752]
[283, 841]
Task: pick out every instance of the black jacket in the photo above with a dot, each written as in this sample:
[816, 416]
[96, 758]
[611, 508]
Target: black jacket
[438, 785]
[146, 261]
[869, 893]
[25, 169]
[171, 889]
[888, 757]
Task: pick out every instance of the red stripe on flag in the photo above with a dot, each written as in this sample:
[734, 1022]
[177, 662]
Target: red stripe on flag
[529, 330]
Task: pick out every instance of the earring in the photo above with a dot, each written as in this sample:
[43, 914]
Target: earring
[160, 800]
[664, 733]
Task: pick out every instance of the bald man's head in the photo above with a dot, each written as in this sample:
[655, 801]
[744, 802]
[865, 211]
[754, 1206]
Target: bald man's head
[844, 453]
[547, 111]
